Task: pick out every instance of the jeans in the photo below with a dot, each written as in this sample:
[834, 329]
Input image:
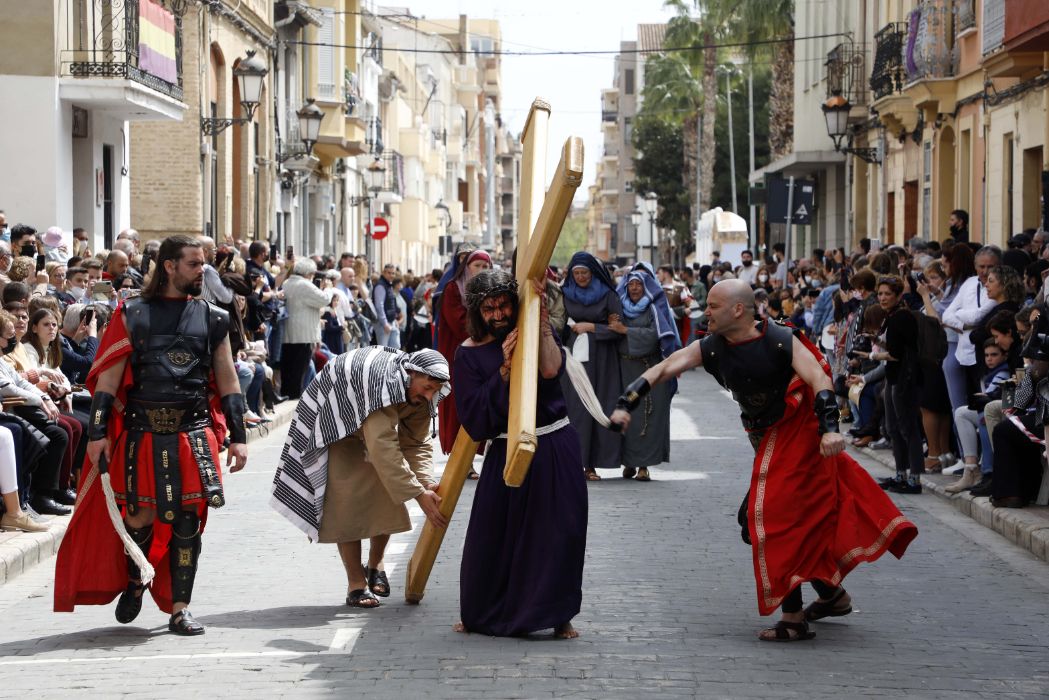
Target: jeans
[967, 421]
[275, 341]
[955, 376]
[391, 338]
[904, 425]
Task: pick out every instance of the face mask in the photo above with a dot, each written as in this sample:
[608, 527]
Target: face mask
[748, 263]
[807, 279]
[12, 343]
[763, 278]
[77, 292]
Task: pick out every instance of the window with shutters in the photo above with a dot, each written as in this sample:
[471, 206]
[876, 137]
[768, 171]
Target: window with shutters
[326, 57]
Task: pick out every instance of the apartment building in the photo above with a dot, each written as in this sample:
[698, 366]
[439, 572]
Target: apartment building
[75, 75]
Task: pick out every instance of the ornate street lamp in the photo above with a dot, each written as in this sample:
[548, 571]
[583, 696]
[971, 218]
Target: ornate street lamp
[836, 113]
[310, 118]
[250, 74]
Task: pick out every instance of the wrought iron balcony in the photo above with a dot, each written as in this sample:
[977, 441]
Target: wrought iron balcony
[888, 74]
[139, 40]
[393, 176]
[373, 135]
[930, 48]
[964, 15]
[847, 73]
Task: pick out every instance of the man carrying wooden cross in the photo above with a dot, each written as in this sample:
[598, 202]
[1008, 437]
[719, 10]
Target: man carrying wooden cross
[522, 567]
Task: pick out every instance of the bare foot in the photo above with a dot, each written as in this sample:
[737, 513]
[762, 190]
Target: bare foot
[460, 627]
[566, 631]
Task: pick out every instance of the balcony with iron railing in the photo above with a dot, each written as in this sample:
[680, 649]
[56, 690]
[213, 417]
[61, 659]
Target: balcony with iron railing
[1015, 37]
[392, 190]
[847, 73]
[136, 40]
[930, 50]
[373, 135]
[888, 73]
[964, 15]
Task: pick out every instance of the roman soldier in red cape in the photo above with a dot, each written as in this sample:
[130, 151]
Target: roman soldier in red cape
[812, 513]
[164, 395]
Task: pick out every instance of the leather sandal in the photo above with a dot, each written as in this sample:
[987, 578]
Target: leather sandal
[377, 582]
[129, 604]
[629, 472]
[362, 598]
[788, 632]
[834, 607]
[182, 623]
[642, 475]
[592, 475]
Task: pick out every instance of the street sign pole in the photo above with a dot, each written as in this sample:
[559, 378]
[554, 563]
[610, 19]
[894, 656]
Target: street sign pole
[790, 225]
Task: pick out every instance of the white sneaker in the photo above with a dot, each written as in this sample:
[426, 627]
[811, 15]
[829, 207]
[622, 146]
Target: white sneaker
[956, 468]
[251, 417]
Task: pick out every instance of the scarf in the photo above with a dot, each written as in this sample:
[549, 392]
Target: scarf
[334, 406]
[463, 275]
[666, 328]
[632, 309]
[600, 281]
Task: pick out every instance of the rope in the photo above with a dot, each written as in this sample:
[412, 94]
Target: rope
[130, 546]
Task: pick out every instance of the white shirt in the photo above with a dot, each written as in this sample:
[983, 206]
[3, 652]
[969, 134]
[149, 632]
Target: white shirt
[747, 274]
[969, 307]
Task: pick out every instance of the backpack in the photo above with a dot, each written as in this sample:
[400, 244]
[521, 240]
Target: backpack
[932, 340]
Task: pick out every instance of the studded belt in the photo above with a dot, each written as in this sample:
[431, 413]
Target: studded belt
[167, 417]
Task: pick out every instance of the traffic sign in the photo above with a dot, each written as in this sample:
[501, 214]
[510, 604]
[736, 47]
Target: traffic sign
[380, 228]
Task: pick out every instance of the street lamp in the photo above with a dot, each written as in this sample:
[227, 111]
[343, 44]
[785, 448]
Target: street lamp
[374, 178]
[310, 118]
[250, 74]
[651, 206]
[635, 220]
[445, 216]
[836, 113]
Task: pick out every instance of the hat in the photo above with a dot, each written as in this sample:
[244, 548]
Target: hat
[52, 237]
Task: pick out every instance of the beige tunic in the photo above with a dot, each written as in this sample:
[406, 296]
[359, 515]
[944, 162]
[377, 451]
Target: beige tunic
[372, 473]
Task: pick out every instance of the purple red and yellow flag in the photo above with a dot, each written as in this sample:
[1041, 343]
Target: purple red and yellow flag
[156, 42]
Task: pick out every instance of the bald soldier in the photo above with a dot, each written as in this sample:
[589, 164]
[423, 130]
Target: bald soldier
[812, 513]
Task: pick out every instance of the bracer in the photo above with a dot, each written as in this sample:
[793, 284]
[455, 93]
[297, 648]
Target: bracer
[633, 394]
[233, 407]
[101, 405]
[827, 412]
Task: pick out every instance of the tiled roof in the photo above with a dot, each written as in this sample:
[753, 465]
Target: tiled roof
[650, 36]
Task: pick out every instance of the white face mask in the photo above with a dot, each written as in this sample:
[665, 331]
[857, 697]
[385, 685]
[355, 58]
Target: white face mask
[808, 280]
[77, 293]
[763, 278]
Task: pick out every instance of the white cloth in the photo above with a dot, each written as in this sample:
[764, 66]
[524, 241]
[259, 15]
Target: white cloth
[968, 308]
[581, 348]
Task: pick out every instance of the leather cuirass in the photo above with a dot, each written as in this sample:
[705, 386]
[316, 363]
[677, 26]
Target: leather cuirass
[174, 366]
[757, 372]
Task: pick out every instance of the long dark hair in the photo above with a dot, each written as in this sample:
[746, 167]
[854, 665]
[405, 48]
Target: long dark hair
[53, 350]
[170, 249]
[962, 262]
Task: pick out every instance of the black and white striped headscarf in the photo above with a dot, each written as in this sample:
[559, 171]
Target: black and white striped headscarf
[334, 406]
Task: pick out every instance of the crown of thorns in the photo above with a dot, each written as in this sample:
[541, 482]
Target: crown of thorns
[474, 299]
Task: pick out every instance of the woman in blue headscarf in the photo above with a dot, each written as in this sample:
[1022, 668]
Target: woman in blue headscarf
[651, 336]
[592, 335]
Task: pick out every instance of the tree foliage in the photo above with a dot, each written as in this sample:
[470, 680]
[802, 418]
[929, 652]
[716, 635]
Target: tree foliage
[571, 241]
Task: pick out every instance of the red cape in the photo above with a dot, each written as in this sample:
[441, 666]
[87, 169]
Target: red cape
[814, 517]
[91, 566]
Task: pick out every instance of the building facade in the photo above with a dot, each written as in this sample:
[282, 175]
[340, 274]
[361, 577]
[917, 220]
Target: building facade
[78, 75]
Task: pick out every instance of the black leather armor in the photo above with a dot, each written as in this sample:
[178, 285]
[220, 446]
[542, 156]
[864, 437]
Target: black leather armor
[173, 367]
[757, 372]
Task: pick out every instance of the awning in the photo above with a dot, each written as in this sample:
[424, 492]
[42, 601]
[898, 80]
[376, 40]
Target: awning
[799, 163]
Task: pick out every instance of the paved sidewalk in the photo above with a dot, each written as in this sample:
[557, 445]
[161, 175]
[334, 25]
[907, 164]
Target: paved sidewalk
[21, 551]
[669, 607]
[1027, 528]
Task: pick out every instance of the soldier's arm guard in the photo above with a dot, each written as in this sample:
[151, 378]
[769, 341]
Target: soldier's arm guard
[101, 405]
[633, 394]
[827, 412]
[233, 407]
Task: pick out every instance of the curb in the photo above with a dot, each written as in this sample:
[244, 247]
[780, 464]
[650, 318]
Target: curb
[1027, 528]
[21, 551]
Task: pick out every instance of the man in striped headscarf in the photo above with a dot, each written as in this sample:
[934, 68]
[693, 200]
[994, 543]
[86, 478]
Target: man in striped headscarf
[359, 448]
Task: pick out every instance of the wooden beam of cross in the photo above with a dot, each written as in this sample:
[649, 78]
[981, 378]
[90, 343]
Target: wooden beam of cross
[431, 537]
[540, 222]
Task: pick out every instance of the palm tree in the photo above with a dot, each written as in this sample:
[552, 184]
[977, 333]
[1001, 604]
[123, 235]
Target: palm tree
[755, 22]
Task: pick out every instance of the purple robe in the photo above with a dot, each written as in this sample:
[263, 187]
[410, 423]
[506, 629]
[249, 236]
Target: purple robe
[522, 567]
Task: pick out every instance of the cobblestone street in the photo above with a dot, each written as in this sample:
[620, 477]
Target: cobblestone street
[669, 607]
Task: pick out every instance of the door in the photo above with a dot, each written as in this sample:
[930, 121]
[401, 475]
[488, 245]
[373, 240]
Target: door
[910, 210]
[107, 196]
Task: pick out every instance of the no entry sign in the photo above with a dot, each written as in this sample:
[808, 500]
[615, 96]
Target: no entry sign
[380, 228]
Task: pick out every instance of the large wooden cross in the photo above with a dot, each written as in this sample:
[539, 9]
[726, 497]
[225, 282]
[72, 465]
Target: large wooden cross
[540, 218]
